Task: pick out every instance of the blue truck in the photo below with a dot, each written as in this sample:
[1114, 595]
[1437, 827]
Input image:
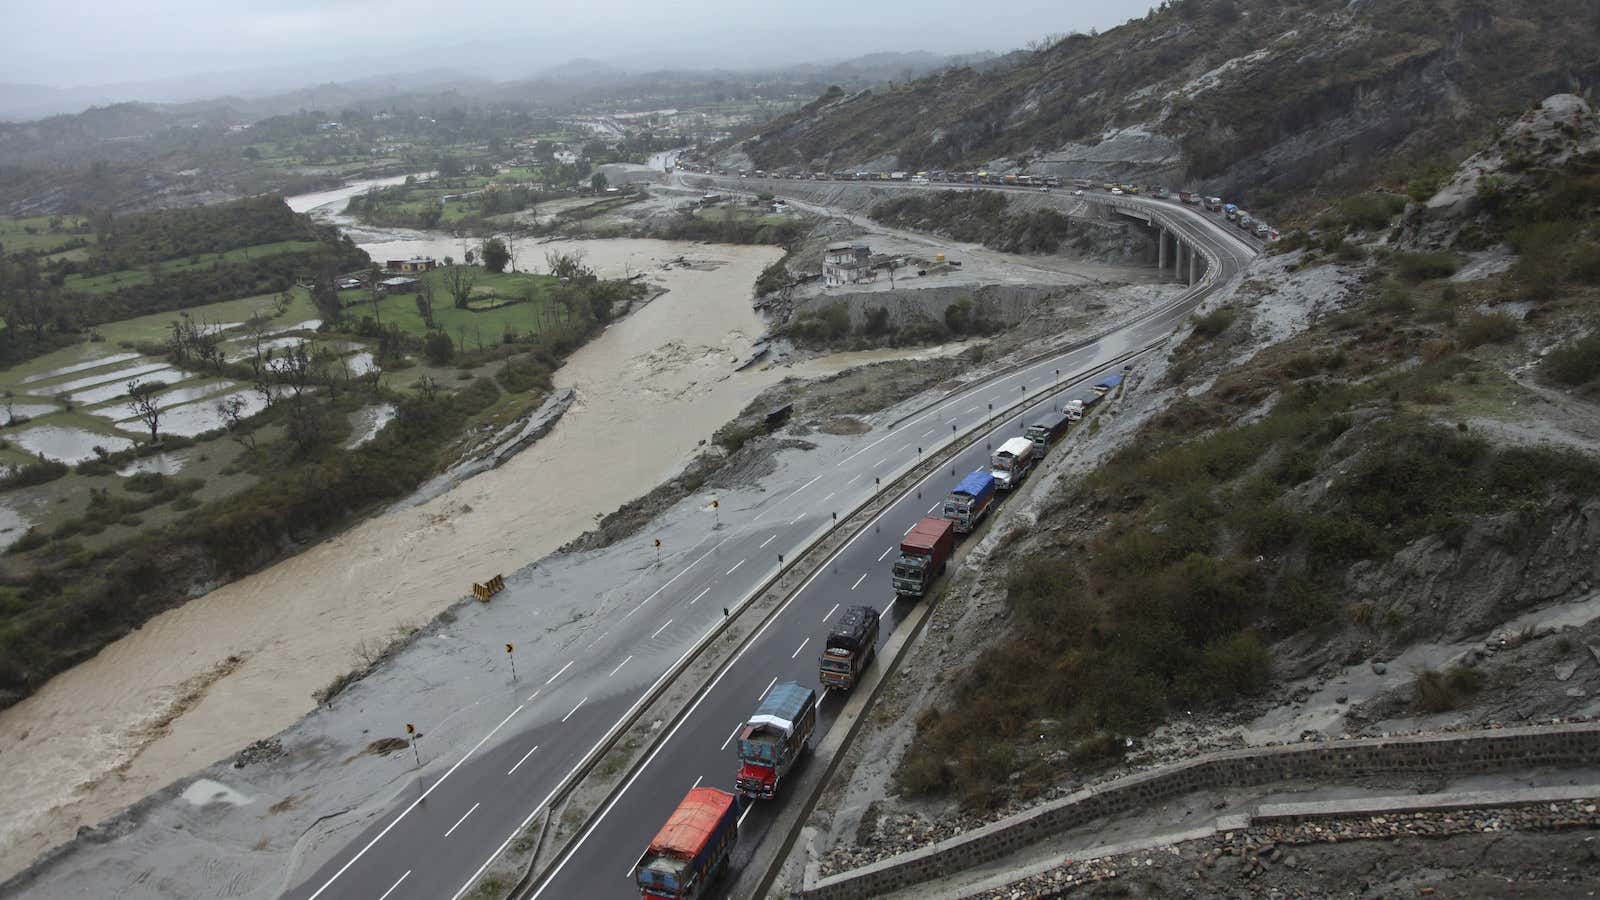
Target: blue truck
[970, 501]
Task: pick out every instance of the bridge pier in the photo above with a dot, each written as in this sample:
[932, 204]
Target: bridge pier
[1192, 266]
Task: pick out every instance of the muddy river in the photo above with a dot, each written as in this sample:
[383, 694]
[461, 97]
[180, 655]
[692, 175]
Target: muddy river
[166, 700]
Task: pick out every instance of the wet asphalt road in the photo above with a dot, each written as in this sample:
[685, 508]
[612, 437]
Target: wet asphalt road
[435, 843]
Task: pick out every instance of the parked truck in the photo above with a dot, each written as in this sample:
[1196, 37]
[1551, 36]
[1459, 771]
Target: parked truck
[970, 501]
[852, 643]
[774, 738]
[1072, 409]
[1010, 464]
[1046, 431]
[692, 849]
[924, 551]
[1107, 385]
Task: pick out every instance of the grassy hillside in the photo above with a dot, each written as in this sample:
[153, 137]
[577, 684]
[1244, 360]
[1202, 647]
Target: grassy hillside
[1258, 96]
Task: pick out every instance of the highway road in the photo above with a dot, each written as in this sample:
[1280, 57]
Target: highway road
[439, 837]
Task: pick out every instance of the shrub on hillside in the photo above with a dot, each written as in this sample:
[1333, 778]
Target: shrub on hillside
[1491, 328]
[1574, 363]
[1425, 266]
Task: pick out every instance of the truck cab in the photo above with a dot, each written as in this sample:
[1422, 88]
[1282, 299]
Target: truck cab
[1010, 464]
[924, 551]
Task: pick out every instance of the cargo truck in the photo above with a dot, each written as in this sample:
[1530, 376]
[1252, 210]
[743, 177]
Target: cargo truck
[1107, 384]
[692, 849]
[1010, 464]
[1046, 431]
[774, 738]
[1072, 409]
[923, 553]
[970, 501]
[852, 643]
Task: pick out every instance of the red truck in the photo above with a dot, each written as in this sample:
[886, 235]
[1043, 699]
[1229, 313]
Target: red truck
[692, 849]
[923, 553]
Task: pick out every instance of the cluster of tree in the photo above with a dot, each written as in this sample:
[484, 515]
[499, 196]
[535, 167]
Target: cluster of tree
[128, 242]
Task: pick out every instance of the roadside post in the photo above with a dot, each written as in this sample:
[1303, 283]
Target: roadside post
[513, 657]
[411, 732]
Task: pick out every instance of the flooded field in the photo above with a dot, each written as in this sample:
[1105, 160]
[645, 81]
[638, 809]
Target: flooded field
[365, 423]
[67, 444]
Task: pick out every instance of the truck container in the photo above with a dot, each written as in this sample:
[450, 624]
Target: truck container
[1010, 464]
[969, 502]
[1046, 431]
[692, 849]
[1107, 385]
[923, 553]
[773, 738]
[852, 643]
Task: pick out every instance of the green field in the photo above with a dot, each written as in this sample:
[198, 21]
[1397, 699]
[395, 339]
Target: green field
[110, 281]
[401, 309]
[15, 236]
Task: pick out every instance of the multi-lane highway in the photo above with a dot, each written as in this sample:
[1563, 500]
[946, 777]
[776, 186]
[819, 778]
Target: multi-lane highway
[439, 837]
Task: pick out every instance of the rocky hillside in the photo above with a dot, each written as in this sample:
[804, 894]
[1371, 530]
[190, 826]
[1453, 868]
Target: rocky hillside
[1249, 97]
[1360, 495]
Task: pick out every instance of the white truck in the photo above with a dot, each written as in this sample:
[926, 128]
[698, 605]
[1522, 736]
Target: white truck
[1010, 464]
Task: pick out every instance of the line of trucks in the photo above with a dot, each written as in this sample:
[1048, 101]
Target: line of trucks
[692, 849]
[1242, 219]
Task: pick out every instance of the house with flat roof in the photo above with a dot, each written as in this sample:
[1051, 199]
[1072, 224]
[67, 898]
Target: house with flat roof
[846, 263]
[412, 265]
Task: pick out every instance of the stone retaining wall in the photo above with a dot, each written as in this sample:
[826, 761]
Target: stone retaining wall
[1458, 753]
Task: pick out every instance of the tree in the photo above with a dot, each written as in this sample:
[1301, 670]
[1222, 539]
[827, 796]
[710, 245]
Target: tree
[438, 348]
[425, 302]
[458, 280]
[375, 293]
[495, 255]
[325, 296]
[568, 266]
[251, 154]
[142, 402]
[231, 410]
[599, 182]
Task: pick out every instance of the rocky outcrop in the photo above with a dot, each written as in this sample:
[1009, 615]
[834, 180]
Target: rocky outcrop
[1503, 565]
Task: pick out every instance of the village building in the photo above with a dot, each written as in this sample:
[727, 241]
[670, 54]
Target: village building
[398, 285]
[414, 264]
[846, 263]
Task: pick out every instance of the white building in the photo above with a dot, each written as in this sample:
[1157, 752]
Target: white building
[846, 263]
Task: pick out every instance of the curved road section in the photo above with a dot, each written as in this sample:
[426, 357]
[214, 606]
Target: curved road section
[442, 834]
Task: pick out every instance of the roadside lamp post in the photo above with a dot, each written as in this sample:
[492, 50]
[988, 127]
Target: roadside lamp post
[513, 657]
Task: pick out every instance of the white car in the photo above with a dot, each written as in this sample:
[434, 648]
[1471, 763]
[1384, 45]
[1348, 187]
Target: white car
[1116, 191]
[1078, 192]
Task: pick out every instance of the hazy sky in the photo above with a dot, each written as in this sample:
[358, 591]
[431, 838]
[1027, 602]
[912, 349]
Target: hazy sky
[90, 42]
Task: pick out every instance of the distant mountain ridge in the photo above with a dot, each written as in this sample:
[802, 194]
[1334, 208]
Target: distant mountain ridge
[1262, 96]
